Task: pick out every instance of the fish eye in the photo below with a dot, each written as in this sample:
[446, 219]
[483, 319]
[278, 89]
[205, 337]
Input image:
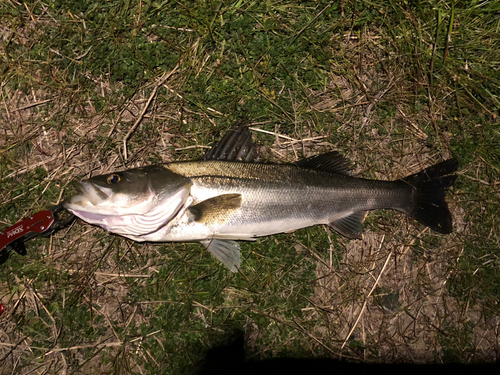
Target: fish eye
[113, 179]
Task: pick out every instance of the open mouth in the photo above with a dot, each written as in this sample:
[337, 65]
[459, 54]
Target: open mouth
[89, 194]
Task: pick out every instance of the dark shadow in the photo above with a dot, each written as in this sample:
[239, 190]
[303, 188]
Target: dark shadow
[229, 359]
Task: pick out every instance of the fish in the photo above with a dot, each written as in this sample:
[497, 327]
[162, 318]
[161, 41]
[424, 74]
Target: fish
[227, 196]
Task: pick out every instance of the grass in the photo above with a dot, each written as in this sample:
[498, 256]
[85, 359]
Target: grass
[395, 86]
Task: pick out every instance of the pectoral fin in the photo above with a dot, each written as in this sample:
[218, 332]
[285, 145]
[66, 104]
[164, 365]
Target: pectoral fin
[216, 210]
[350, 226]
[227, 251]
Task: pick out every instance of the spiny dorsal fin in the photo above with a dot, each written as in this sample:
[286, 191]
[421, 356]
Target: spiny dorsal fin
[328, 162]
[236, 145]
[216, 210]
[350, 226]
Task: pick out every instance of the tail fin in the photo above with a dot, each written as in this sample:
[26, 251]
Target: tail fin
[429, 193]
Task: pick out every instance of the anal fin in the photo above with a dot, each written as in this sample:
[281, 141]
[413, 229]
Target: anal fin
[350, 226]
[227, 251]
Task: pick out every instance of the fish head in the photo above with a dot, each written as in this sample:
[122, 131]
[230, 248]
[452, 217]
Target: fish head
[134, 201]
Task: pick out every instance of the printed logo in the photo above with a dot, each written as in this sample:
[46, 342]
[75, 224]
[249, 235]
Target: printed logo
[16, 230]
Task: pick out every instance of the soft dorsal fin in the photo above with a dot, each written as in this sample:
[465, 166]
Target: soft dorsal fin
[328, 162]
[236, 145]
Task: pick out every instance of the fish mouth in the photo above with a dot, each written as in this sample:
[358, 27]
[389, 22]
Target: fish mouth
[89, 195]
[90, 217]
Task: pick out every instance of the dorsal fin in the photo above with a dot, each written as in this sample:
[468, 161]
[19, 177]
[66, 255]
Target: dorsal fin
[328, 162]
[236, 145]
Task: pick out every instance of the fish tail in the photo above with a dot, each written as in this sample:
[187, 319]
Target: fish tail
[428, 204]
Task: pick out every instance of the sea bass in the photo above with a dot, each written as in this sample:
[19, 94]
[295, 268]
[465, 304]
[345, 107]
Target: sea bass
[226, 197]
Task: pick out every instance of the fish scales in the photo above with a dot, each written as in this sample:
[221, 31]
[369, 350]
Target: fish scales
[291, 188]
[277, 198]
[226, 197]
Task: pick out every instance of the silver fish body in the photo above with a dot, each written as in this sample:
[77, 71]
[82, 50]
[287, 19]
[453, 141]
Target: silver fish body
[253, 200]
[219, 201]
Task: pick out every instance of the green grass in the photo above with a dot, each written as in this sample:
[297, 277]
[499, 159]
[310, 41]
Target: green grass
[395, 86]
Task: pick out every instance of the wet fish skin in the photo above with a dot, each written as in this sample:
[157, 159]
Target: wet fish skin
[280, 198]
[227, 201]
[225, 197]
